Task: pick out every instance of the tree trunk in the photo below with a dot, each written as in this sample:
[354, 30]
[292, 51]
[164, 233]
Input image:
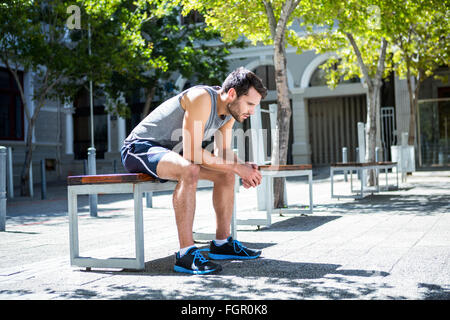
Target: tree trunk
[148, 102]
[281, 143]
[413, 103]
[25, 174]
[373, 105]
[279, 155]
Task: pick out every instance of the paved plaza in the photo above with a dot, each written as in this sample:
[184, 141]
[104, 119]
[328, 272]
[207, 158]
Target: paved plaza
[390, 245]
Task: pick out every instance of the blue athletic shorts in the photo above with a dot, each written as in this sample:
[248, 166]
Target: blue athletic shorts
[142, 156]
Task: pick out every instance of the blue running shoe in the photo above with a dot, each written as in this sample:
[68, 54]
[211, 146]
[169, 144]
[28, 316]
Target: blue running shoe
[193, 262]
[232, 249]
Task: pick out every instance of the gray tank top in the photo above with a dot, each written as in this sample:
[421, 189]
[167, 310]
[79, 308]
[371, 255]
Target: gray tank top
[163, 125]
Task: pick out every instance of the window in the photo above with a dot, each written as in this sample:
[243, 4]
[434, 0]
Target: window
[11, 107]
[267, 75]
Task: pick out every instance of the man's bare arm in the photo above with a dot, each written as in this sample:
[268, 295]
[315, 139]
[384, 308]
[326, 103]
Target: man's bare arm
[198, 108]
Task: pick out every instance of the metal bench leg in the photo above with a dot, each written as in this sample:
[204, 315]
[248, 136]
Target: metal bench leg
[310, 192]
[269, 203]
[363, 179]
[149, 199]
[139, 227]
[90, 262]
[331, 175]
[73, 224]
[233, 217]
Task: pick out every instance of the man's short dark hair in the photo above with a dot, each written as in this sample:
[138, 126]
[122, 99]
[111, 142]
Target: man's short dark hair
[241, 80]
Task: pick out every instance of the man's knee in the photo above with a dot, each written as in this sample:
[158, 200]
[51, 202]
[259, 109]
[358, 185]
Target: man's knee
[228, 178]
[190, 173]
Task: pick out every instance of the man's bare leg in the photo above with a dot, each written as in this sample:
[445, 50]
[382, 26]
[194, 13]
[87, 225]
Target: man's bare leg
[172, 166]
[223, 199]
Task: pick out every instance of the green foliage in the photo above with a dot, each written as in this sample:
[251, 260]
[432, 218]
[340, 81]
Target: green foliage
[420, 34]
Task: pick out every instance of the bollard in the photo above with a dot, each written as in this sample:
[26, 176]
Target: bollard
[344, 160]
[10, 179]
[30, 180]
[377, 159]
[93, 198]
[114, 166]
[3, 152]
[357, 159]
[43, 181]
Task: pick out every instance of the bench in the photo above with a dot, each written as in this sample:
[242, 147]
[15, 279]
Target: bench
[361, 168]
[134, 183]
[277, 171]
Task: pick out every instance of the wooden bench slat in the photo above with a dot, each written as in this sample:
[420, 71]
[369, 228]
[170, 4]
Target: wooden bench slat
[286, 167]
[109, 178]
[383, 163]
[361, 164]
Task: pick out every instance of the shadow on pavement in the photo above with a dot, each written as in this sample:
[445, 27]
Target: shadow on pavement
[250, 279]
[398, 203]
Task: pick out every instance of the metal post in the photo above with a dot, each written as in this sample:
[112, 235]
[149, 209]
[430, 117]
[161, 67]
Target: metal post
[43, 181]
[344, 160]
[3, 152]
[10, 175]
[357, 160]
[30, 180]
[93, 198]
[404, 155]
[149, 199]
[377, 159]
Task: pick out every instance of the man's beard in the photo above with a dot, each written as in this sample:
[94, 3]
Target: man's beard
[232, 110]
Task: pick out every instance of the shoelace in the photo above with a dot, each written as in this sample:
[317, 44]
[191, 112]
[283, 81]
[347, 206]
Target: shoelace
[197, 255]
[239, 246]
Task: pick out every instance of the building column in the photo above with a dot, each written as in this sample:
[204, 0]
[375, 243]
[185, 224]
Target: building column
[402, 106]
[121, 132]
[301, 153]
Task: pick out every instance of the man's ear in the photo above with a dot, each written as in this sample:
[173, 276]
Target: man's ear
[231, 95]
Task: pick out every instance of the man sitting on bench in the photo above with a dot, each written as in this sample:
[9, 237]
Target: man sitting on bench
[195, 115]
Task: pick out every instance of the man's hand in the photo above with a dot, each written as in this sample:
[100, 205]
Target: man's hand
[250, 175]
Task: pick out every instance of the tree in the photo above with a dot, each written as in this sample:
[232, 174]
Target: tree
[35, 37]
[420, 33]
[357, 31]
[267, 22]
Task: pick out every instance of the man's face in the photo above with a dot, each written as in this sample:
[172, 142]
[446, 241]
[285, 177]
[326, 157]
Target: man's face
[244, 106]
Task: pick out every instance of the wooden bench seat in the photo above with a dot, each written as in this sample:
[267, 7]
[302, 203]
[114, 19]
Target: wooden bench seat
[109, 178]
